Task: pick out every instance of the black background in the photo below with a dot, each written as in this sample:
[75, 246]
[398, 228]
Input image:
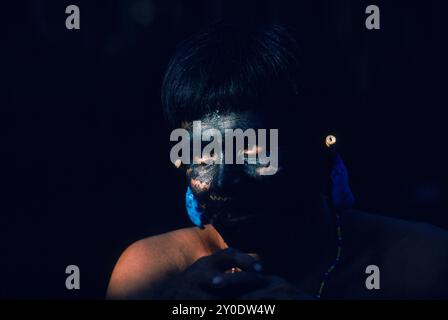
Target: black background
[85, 152]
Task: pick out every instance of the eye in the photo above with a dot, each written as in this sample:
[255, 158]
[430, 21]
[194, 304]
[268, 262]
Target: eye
[206, 159]
[251, 155]
[254, 150]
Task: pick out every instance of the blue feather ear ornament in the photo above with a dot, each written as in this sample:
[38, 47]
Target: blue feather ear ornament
[195, 213]
[341, 195]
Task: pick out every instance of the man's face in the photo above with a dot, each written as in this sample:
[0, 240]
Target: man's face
[231, 194]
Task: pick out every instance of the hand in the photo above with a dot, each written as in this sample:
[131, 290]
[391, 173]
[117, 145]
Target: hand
[276, 289]
[206, 278]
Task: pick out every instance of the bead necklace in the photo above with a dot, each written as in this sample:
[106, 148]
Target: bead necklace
[336, 261]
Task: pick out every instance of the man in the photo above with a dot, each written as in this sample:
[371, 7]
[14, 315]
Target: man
[288, 235]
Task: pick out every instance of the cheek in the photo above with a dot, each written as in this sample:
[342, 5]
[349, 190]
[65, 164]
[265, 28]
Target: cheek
[198, 185]
[251, 171]
[199, 180]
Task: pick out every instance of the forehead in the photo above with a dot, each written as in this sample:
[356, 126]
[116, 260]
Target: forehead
[228, 120]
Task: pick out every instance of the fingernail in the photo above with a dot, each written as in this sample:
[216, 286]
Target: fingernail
[217, 280]
[257, 267]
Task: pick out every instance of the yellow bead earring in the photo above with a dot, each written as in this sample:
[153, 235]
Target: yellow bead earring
[330, 141]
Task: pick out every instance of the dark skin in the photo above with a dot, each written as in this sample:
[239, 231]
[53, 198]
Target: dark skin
[247, 210]
[285, 239]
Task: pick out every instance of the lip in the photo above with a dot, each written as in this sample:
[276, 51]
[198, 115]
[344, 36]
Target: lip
[225, 213]
[229, 211]
[215, 197]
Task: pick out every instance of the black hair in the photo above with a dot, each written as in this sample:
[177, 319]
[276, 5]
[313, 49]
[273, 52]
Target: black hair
[232, 67]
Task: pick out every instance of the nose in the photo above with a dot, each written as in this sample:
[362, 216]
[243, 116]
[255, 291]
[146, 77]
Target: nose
[226, 178]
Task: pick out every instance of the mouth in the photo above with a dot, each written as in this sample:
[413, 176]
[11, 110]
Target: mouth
[227, 210]
[215, 197]
[216, 204]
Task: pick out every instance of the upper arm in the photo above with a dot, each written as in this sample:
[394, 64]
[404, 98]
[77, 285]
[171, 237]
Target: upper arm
[137, 271]
[428, 274]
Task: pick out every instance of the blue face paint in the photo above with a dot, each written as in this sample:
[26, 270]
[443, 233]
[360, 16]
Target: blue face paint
[193, 210]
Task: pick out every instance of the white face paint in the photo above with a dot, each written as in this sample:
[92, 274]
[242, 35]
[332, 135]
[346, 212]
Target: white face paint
[229, 157]
[243, 145]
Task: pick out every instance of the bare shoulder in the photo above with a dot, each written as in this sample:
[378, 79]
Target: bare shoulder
[148, 261]
[413, 256]
[394, 228]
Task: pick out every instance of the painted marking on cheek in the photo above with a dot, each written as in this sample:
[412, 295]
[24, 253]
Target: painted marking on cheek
[199, 185]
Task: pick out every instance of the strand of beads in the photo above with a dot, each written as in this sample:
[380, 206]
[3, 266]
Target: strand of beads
[336, 261]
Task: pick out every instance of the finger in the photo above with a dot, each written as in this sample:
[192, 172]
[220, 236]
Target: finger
[232, 258]
[236, 284]
[221, 261]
